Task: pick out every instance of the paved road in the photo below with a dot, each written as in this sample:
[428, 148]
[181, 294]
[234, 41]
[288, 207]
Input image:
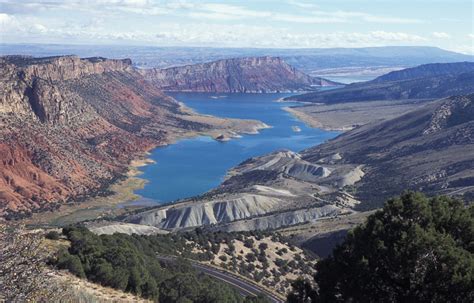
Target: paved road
[244, 287]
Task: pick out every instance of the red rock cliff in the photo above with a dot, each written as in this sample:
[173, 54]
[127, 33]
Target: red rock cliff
[70, 126]
[238, 75]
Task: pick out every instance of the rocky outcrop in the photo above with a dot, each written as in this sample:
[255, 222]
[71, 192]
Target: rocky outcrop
[451, 113]
[35, 86]
[268, 192]
[70, 126]
[208, 212]
[239, 75]
[66, 67]
[278, 166]
[110, 228]
[285, 162]
[283, 219]
[23, 185]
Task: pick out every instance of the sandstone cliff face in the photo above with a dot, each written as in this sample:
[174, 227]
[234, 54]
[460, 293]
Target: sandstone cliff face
[239, 75]
[23, 185]
[32, 86]
[70, 126]
[54, 144]
[67, 67]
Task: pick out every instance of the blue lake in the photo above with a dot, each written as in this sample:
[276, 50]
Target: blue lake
[193, 166]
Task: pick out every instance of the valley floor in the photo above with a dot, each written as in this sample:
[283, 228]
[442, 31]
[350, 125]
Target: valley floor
[346, 116]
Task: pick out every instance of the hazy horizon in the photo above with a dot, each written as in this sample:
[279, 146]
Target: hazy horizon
[241, 24]
[226, 47]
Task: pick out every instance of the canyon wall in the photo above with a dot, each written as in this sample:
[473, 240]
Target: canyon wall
[70, 126]
[238, 75]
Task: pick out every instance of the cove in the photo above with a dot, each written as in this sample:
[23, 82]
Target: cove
[193, 166]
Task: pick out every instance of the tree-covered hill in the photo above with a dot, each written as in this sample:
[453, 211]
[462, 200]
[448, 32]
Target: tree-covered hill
[416, 249]
[129, 263]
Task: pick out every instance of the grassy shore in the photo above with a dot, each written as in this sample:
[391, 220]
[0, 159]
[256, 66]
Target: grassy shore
[124, 191]
[307, 119]
[346, 116]
[96, 207]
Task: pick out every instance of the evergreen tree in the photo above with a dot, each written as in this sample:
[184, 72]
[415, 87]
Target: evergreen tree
[415, 249]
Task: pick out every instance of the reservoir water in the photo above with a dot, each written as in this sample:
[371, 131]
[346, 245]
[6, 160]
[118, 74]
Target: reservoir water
[193, 166]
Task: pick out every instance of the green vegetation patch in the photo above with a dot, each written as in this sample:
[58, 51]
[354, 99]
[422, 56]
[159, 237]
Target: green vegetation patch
[416, 249]
[129, 263]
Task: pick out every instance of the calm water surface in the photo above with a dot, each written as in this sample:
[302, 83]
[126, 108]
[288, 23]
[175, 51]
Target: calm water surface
[193, 166]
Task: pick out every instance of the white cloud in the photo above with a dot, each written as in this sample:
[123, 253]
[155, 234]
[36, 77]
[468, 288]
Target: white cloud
[227, 12]
[471, 36]
[307, 19]
[17, 27]
[8, 23]
[232, 12]
[354, 15]
[254, 36]
[98, 6]
[198, 10]
[39, 28]
[205, 34]
[396, 36]
[130, 3]
[441, 35]
[303, 4]
[6, 19]
[390, 20]
[195, 34]
[234, 25]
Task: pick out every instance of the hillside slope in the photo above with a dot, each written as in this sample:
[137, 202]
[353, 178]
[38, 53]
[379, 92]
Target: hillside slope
[429, 149]
[70, 126]
[427, 70]
[429, 81]
[238, 75]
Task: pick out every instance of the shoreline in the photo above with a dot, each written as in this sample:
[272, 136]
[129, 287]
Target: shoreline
[97, 207]
[312, 122]
[282, 100]
[123, 190]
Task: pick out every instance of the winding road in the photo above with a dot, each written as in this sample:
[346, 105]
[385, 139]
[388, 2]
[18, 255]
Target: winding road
[244, 287]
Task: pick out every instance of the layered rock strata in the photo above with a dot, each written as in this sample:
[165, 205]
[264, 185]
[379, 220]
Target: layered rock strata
[70, 126]
[238, 75]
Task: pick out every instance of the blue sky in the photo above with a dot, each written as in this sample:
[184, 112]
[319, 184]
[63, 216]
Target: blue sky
[260, 23]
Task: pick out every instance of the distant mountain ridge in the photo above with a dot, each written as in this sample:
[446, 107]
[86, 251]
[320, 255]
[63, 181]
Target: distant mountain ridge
[427, 70]
[236, 75]
[428, 81]
[308, 60]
